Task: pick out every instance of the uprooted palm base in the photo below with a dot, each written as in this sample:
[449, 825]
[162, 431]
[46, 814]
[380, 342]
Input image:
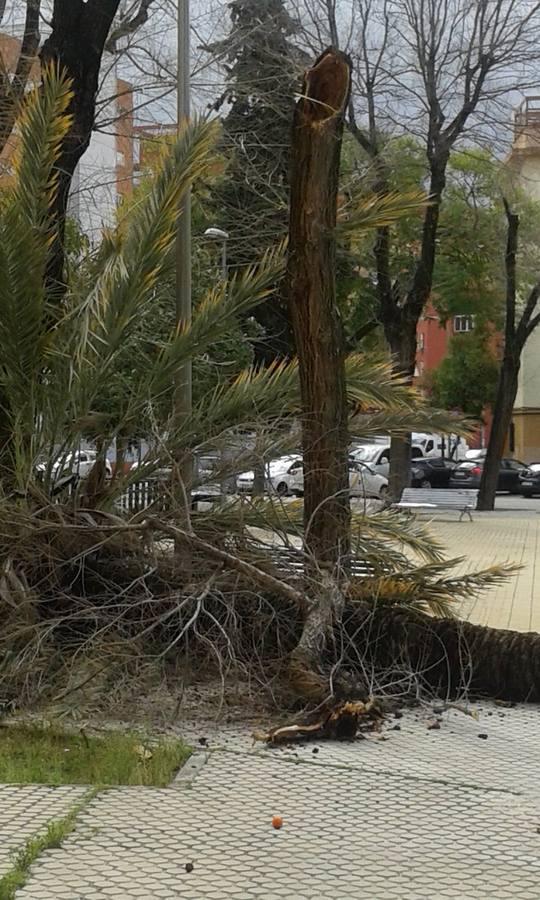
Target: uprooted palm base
[344, 722]
[88, 585]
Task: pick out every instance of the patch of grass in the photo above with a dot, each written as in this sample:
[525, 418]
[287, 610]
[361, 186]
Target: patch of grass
[47, 756]
[52, 838]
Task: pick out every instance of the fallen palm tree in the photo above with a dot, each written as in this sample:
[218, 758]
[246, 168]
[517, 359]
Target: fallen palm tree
[90, 597]
[91, 584]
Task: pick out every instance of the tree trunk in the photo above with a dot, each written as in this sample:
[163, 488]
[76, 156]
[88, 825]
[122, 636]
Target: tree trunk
[447, 656]
[12, 90]
[400, 316]
[79, 31]
[402, 341]
[514, 342]
[316, 150]
[502, 418]
[259, 478]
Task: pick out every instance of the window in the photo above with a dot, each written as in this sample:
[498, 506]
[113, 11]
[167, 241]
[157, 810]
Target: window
[463, 323]
[416, 452]
[421, 341]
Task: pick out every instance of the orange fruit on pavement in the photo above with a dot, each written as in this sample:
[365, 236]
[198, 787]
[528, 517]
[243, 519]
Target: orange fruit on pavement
[277, 821]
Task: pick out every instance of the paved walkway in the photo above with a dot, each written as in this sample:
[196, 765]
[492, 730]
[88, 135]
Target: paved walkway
[419, 815]
[489, 540]
[422, 814]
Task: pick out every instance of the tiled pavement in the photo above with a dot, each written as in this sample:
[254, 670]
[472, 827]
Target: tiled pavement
[509, 535]
[422, 814]
[494, 539]
[25, 810]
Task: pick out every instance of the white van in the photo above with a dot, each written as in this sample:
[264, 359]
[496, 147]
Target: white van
[451, 446]
[377, 456]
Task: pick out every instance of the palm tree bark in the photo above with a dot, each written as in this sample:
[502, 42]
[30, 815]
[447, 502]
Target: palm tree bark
[447, 655]
[316, 151]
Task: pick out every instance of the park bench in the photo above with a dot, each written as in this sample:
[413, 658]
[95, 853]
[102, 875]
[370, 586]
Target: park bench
[463, 500]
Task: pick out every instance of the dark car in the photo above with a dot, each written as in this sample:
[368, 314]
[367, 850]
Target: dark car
[432, 472]
[469, 472]
[529, 480]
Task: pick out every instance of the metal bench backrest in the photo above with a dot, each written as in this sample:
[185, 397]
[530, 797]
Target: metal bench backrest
[451, 499]
[295, 560]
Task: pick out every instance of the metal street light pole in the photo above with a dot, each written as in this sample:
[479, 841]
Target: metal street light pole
[183, 245]
[218, 234]
[183, 391]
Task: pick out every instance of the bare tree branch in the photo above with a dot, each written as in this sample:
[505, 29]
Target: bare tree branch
[128, 24]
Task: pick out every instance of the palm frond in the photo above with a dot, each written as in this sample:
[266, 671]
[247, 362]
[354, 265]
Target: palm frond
[25, 238]
[134, 264]
[422, 590]
[391, 526]
[43, 124]
[221, 305]
[402, 421]
[381, 210]
[371, 383]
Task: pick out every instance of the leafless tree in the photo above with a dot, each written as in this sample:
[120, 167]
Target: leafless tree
[519, 325]
[76, 35]
[442, 70]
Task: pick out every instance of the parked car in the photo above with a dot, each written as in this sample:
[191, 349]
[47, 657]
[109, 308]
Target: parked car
[288, 480]
[432, 472]
[366, 482]
[208, 482]
[377, 456]
[529, 480]
[276, 473]
[363, 481]
[475, 454]
[79, 463]
[469, 473]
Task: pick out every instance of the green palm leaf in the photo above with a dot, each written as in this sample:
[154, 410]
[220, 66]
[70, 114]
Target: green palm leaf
[136, 260]
[380, 210]
[25, 239]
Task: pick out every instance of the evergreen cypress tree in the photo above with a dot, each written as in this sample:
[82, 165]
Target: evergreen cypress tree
[263, 68]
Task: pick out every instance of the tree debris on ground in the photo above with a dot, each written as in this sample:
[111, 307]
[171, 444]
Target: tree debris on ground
[342, 723]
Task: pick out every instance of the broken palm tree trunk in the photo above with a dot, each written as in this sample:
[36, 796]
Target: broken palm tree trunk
[448, 657]
[316, 151]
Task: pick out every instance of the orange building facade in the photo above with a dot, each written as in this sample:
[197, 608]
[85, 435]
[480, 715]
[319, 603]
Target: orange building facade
[432, 340]
[432, 346]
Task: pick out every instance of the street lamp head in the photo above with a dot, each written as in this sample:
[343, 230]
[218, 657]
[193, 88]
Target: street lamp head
[216, 233]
